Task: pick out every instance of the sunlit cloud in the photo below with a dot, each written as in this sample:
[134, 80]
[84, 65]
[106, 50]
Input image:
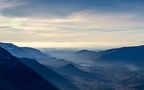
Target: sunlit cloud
[86, 20]
[15, 23]
[89, 25]
[108, 27]
[77, 21]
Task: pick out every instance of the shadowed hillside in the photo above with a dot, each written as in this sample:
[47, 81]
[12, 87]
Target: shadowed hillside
[49, 75]
[14, 75]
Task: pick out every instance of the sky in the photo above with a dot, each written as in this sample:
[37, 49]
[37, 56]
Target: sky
[72, 23]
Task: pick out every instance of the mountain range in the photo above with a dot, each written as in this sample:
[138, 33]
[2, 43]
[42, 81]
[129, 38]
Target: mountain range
[22, 68]
[14, 75]
[126, 54]
[24, 51]
[28, 52]
[24, 72]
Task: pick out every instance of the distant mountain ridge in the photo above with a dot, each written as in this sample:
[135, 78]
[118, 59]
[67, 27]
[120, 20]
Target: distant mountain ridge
[13, 49]
[24, 51]
[127, 54]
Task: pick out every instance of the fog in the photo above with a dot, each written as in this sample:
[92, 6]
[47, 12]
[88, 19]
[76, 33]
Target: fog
[132, 67]
[66, 54]
[90, 71]
[69, 55]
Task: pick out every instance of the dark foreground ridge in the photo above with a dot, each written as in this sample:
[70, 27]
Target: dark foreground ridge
[14, 75]
[49, 75]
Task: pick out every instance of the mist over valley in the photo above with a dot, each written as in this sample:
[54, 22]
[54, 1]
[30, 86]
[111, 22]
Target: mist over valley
[71, 69]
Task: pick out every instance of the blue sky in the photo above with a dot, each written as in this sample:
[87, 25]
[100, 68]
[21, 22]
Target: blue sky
[101, 22]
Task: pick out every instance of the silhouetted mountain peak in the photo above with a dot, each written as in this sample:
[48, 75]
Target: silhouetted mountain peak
[70, 69]
[61, 60]
[69, 66]
[83, 51]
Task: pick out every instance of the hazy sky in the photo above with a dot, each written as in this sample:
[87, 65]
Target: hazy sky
[102, 22]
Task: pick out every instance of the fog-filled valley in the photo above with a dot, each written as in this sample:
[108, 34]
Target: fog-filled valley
[71, 69]
[121, 68]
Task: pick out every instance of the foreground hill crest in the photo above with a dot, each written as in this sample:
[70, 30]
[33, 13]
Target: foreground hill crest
[17, 76]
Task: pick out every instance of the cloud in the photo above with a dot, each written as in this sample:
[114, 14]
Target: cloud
[79, 26]
[56, 8]
[7, 4]
[131, 67]
[45, 22]
[85, 20]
